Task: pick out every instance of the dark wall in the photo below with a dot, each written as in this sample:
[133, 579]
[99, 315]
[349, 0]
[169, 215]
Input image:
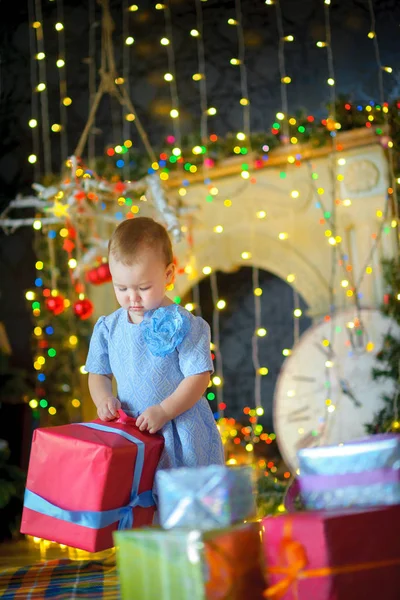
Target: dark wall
[17, 272]
[354, 59]
[237, 323]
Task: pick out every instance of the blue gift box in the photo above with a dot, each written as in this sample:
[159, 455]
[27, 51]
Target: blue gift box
[205, 497]
[361, 473]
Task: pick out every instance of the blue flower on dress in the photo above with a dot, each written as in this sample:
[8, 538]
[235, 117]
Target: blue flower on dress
[164, 329]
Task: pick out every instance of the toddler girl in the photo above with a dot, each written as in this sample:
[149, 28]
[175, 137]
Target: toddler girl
[158, 352]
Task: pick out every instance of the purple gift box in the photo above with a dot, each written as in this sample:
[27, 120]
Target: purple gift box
[361, 473]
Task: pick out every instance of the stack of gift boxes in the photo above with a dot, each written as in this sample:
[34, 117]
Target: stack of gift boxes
[90, 485]
[202, 549]
[345, 545]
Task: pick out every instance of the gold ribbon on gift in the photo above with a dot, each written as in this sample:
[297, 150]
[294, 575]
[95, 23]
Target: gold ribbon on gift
[293, 557]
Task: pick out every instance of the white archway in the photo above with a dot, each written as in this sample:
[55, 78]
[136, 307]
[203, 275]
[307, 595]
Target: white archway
[268, 254]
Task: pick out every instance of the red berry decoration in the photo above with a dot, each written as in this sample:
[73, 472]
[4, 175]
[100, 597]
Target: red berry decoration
[55, 304]
[83, 309]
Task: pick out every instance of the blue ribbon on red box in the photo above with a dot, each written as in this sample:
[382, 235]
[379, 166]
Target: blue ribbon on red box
[100, 519]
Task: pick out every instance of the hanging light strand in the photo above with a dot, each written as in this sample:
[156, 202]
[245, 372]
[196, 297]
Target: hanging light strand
[216, 341]
[325, 211]
[329, 53]
[243, 72]
[282, 68]
[285, 80]
[394, 206]
[43, 88]
[296, 322]
[332, 208]
[254, 340]
[332, 171]
[172, 70]
[245, 103]
[202, 74]
[92, 80]
[192, 253]
[62, 78]
[126, 48]
[33, 122]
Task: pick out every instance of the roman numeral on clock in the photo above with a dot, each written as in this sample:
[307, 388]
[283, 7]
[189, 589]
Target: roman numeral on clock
[299, 414]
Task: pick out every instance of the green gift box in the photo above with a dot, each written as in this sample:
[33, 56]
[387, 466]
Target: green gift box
[222, 564]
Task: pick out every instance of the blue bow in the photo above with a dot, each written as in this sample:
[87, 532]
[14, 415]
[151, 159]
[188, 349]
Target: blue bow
[100, 519]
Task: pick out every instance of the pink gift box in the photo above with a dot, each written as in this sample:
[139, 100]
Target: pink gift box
[335, 555]
[86, 480]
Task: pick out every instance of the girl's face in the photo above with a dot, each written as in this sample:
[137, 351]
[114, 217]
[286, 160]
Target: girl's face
[141, 286]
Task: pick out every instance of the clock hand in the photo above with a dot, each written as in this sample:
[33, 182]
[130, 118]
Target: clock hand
[347, 392]
[327, 351]
[311, 438]
[308, 441]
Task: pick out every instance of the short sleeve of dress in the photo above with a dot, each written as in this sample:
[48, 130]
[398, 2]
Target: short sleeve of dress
[97, 360]
[194, 351]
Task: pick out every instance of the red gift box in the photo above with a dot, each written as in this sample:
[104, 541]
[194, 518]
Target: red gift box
[335, 555]
[86, 480]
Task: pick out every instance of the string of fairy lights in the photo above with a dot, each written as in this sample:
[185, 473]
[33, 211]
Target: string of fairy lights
[170, 77]
[41, 87]
[92, 25]
[205, 112]
[127, 42]
[391, 199]
[62, 77]
[331, 405]
[54, 301]
[34, 116]
[283, 116]
[245, 136]
[284, 124]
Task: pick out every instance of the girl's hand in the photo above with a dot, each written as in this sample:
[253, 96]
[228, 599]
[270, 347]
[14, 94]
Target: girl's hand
[152, 419]
[107, 408]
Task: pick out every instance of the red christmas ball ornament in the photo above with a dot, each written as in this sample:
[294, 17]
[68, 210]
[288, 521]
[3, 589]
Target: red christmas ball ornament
[98, 275]
[104, 273]
[386, 299]
[55, 304]
[92, 276]
[83, 309]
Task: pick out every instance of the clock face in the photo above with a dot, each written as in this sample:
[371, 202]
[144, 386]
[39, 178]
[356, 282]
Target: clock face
[325, 393]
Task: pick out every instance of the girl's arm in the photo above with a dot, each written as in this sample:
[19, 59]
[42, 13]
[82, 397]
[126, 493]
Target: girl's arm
[100, 387]
[188, 392]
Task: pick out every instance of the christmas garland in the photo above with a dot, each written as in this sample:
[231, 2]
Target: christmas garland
[300, 128]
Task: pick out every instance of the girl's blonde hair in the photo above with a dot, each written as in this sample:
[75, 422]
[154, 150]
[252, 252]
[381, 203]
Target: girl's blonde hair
[134, 235]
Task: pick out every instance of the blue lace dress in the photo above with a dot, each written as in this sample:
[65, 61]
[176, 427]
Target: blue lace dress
[148, 362]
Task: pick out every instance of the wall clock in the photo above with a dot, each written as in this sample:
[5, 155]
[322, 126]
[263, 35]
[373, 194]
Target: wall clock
[325, 393]
[360, 176]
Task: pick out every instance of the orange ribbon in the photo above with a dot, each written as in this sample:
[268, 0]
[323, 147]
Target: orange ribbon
[294, 559]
